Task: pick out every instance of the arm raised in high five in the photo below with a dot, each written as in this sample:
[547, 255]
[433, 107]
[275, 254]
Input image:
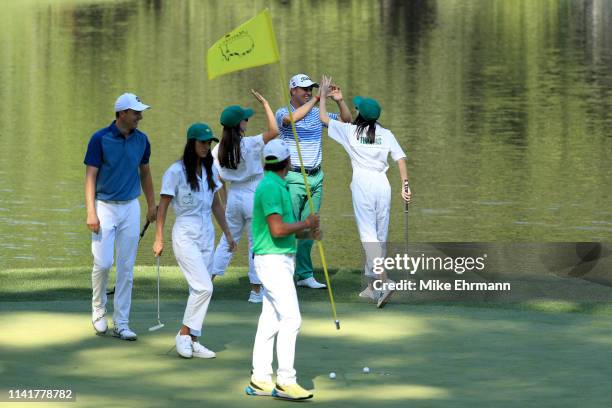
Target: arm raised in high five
[272, 131]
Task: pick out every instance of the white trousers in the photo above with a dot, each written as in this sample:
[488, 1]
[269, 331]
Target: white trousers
[372, 204]
[119, 233]
[193, 244]
[238, 214]
[280, 318]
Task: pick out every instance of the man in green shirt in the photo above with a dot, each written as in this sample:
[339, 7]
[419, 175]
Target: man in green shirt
[274, 246]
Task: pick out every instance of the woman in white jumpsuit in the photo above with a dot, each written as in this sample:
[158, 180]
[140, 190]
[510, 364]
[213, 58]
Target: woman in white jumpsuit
[238, 158]
[368, 145]
[191, 185]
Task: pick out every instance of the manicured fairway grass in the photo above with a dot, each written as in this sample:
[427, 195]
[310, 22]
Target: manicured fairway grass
[419, 355]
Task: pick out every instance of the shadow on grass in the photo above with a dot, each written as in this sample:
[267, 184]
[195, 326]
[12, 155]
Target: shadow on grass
[44, 285]
[421, 356]
[75, 284]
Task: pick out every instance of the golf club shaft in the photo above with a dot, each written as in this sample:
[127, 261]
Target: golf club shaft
[144, 229]
[158, 258]
[159, 324]
[406, 228]
[406, 188]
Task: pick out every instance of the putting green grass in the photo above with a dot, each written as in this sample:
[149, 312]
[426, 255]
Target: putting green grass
[419, 355]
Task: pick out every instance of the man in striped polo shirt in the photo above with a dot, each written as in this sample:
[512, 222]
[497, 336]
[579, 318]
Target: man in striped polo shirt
[310, 130]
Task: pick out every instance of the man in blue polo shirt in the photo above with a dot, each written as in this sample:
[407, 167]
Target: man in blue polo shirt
[309, 129]
[117, 161]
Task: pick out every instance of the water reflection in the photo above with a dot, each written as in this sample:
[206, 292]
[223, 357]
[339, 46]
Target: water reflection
[502, 106]
[408, 23]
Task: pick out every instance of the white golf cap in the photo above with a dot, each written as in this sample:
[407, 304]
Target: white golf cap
[276, 151]
[130, 101]
[301, 80]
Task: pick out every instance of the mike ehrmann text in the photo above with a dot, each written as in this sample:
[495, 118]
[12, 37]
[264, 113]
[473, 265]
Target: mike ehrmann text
[437, 285]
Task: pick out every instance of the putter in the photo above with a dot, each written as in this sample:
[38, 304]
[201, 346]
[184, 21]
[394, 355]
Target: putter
[144, 229]
[406, 218]
[382, 304]
[159, 324]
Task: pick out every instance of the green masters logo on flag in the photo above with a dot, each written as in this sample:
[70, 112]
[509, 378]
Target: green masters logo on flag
[250, 45]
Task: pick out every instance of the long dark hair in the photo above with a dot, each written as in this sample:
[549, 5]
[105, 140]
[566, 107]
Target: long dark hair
[362, 125]
[190, 161]
[229, 147]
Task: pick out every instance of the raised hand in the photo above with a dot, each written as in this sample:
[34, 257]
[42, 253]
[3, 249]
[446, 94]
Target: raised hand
[325, 86]
[259, 97]
[335, 93]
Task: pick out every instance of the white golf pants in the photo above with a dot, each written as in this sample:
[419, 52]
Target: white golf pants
[238, 214]
[119, 233]
[193, 241]
[280, 318]
[372, 204]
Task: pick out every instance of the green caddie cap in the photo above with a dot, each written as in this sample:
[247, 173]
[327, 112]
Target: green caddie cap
[201, 132]
[232, 115]
[368, 108]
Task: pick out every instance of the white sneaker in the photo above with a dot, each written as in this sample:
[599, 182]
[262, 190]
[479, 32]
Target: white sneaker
[385, 295]
[255, 297]
[311, 283]
[201, 351]
[124, 333]
[183, 345]
[100, 324]
[368, 293]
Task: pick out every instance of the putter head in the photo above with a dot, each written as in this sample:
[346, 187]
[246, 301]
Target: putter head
[337, 324]
[156, 327]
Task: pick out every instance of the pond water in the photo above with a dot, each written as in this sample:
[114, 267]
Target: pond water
[503, 107]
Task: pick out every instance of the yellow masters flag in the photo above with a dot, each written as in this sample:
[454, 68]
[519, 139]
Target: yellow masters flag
[250, 45]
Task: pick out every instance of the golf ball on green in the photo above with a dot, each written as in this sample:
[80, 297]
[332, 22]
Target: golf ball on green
[366, 370]
[332, 375]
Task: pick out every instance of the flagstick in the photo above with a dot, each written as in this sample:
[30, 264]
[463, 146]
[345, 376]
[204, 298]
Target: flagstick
[308, 195]
[216, 59]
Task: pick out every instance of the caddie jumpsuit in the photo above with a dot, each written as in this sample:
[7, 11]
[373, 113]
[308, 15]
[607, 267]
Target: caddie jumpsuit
[239, 210]
[370, 187]
[193, 239]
